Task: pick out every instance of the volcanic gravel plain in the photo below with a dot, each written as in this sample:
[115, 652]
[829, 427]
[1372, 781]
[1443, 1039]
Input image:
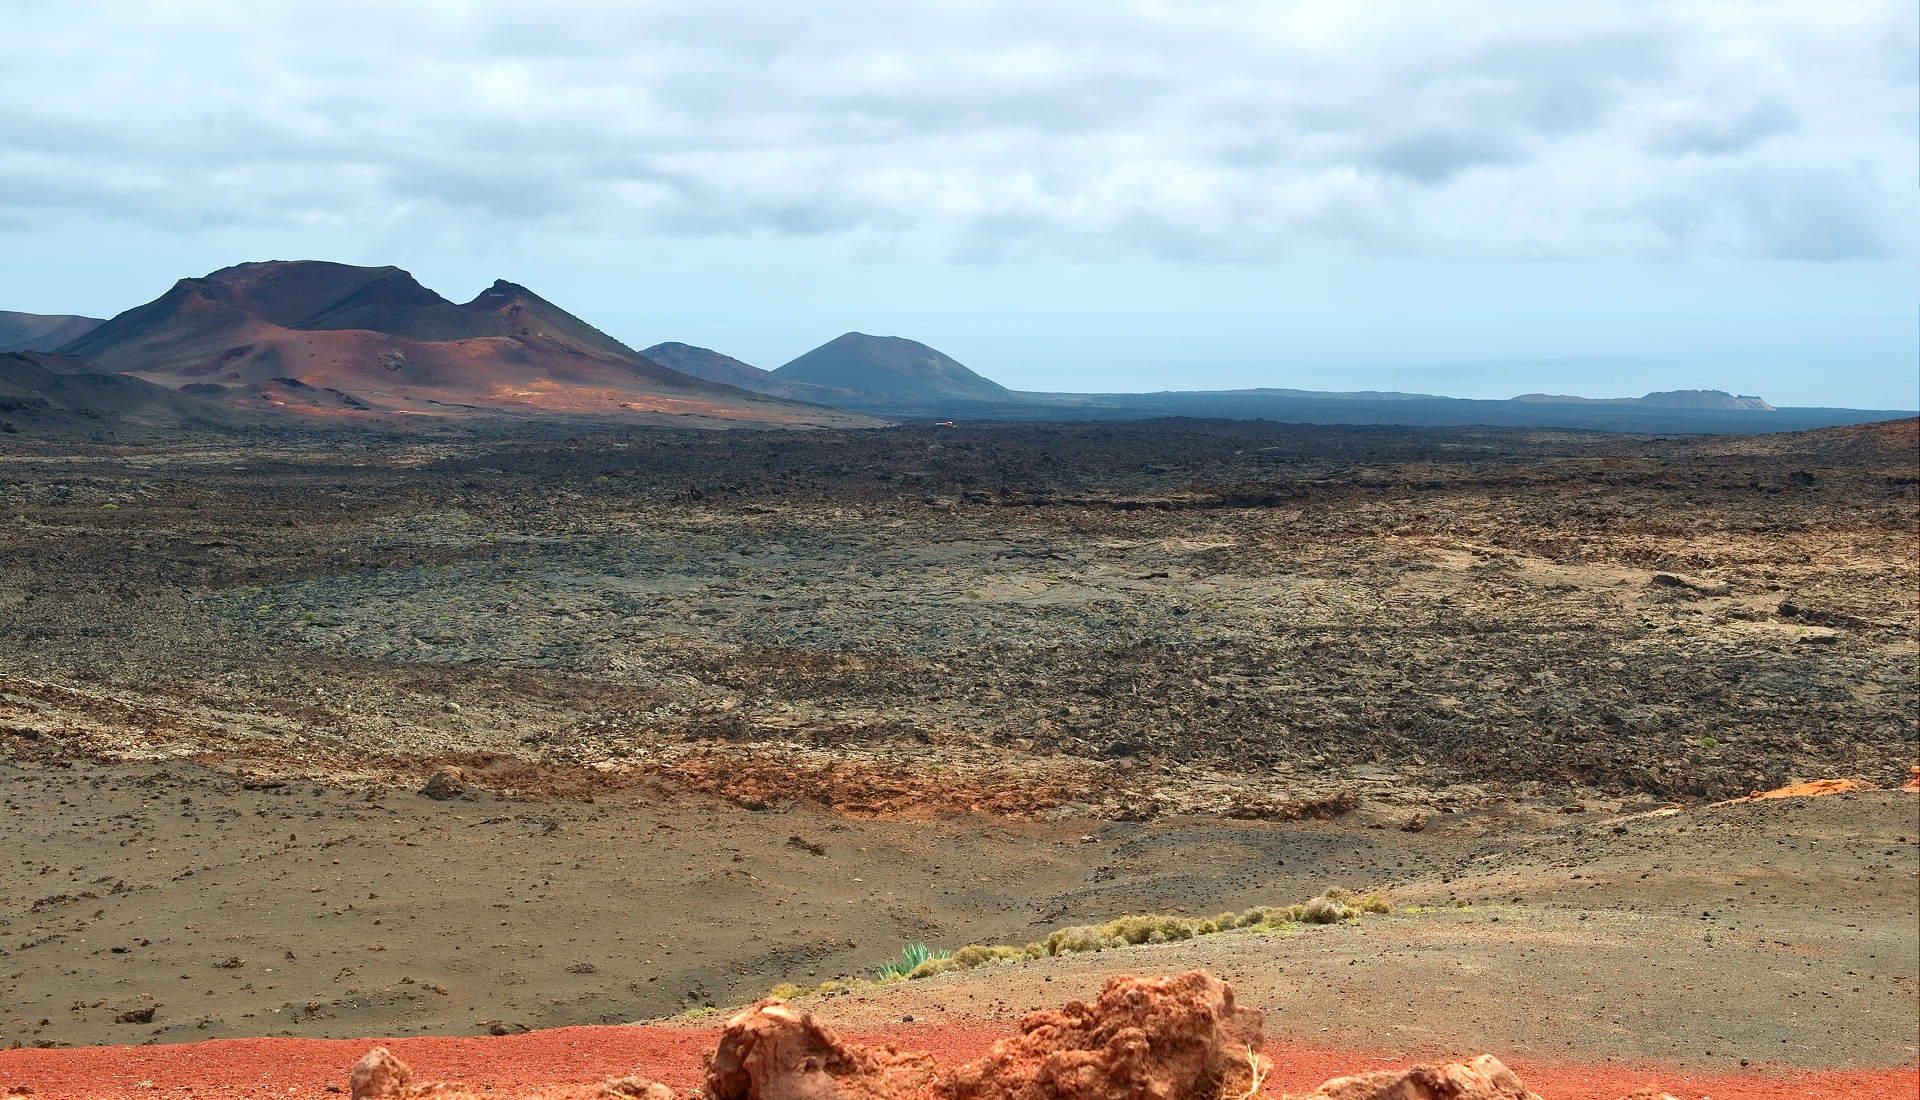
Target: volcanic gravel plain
[742, 708]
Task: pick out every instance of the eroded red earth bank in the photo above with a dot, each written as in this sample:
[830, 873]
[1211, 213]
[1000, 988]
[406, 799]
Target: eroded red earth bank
[304, 1068]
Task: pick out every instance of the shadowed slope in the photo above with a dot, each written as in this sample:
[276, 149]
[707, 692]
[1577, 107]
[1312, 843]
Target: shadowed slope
[717, 367]
[41, 332]
[35, 399]
[728, 371]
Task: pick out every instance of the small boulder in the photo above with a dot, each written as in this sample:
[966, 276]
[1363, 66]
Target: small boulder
[773, 1051]
[378, 1075]
[446, 782]
[1483, 1078]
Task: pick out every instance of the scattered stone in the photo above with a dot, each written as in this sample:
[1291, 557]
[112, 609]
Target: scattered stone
[806, 845]
[446, 782]
[135, 1016]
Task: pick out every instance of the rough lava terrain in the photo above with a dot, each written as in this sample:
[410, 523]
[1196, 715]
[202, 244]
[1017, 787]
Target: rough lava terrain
[736, 709]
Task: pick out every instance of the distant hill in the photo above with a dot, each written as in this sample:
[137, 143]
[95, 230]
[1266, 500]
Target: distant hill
[335, 340]
[1665, 399]
[37, 400]
[726, 370]
[887, 369]
[41, 331]
[713, 366]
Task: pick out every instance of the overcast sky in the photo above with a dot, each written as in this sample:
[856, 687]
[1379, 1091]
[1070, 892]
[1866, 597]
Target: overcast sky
[1474, 198]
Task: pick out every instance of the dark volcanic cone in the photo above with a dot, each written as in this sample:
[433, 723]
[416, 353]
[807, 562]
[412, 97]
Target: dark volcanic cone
[890, 366]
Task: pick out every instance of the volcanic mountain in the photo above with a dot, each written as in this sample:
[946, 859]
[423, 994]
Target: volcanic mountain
[41, 331]
[892, 368]
[326, 338]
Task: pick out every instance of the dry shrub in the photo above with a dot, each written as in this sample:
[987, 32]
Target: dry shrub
[1322, 911]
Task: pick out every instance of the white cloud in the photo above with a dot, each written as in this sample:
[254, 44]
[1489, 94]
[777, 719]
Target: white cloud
[983, 130]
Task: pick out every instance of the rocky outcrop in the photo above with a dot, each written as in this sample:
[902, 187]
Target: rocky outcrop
[1143, 1039]
[1179, 1038]
[774, 1051]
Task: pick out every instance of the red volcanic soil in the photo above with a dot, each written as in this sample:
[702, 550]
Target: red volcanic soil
[304, 1068]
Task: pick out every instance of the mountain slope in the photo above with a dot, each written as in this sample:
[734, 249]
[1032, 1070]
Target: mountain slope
[35, 399]
[725, 369]
[41, 331]
[890, 367]
[331, 339]
[715, 367]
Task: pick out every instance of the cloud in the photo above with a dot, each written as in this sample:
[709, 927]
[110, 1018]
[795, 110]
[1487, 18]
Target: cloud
[976, 129]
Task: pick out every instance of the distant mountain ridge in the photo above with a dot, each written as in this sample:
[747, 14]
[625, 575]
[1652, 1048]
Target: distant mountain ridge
[331, 339]
[328, 339]
[890, 376]
[42, 331]
[1664, 399]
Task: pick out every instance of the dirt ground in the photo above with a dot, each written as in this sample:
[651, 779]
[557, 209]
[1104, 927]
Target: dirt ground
[1006, 679]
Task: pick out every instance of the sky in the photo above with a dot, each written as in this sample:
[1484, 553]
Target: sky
[1478, 198]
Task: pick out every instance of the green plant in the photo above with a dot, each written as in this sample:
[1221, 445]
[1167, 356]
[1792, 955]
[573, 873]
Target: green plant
[786, 991]
[912, 957]
[1709, 742]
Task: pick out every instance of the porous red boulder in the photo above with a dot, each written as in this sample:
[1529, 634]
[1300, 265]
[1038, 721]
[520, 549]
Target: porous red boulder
[1179, 1038]
[1483, 1078]
[378, 1075]
[774, 1051]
